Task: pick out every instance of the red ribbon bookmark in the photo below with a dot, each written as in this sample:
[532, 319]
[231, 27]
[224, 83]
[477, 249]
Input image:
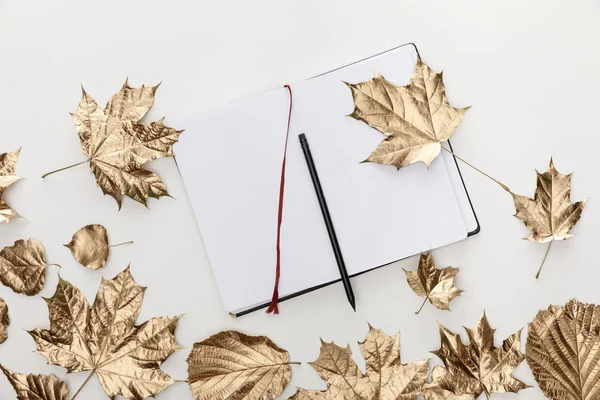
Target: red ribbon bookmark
[273, 308]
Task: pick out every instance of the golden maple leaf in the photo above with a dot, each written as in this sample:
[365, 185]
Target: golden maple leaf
[23, 266]
[4, 321]
[8, 166]
[104, 339]
[563, 348]
[231, 365]
[479, 367]
[416, 118]
[36, 387]
[89, 246]
[550, 214]
[118, 146]
[436, 285]
[386, 378]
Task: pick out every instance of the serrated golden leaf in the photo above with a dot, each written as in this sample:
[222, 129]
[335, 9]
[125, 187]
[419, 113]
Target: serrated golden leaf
[436, 285]
[23, 267]
[416, 118]
[550, 214]
[478, 367]
[4, 321]
[231, 365]
[8, 166]
[118, 146]
[563, 351]
[385, 377]
[36, 387]
[89, 246]
[105, 340]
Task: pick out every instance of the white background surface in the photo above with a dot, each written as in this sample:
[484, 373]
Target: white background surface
[530, 68]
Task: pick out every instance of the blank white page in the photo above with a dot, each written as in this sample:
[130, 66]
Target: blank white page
[230, 160]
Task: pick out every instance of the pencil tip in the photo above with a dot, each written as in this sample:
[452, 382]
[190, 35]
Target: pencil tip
[353, 306]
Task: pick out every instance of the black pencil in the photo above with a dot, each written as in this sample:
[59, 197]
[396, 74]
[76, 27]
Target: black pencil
[328, 223]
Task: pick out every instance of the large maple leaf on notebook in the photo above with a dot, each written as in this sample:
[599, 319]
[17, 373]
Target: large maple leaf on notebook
[416, 118]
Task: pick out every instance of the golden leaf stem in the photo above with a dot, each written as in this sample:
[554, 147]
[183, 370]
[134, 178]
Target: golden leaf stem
[478, 170]
[422, 305]
[56, 265]
[537, 276]
[62, 169]
[84, 383]
[121, 244]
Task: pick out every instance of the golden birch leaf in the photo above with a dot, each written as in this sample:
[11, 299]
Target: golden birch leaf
[104, 339]
[385, 376]
[563, 351]
[23, 267]
[231, 365]
[550, 214]
[4, 321]
[416, 118]
[8, 166]
[36, 387]
[478, 367]
[118, 146]
[89, 246]
[436, 285]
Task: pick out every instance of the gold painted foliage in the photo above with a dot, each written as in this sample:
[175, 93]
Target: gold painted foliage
[8, 166]
[563, 351]
[118, 146]
[231, 365]
[436, 285]
[416, 118]
[550, 214]
[479, 367]
[89, 246]
[385, 377]
[4, 321]
[23, 267]
[104, 339]
[36, 387]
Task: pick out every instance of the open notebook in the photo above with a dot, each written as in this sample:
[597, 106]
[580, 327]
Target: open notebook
[230, 161]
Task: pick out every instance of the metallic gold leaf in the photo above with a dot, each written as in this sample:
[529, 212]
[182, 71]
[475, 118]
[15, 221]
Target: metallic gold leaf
[36, 387]
[23, 267]
[105, 340]
[89, 246]
[118, 146]
[436, 285]
[415, 118]
[231, 365]
[550, 214]
[385, 377]
[479, 367]
[563, 351]
[8, 165]
[4, 321]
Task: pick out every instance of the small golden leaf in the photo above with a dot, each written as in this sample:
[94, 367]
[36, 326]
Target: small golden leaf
[563, 349]
[89, 246]
[8, 165]
[416, 118]
[436, 285]
[550, 214]
[23, 267]
[385, 377]
[479, 367]
[36, 387]
[231, 365]
[118, 146]
[105, 340]
[4, 321]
